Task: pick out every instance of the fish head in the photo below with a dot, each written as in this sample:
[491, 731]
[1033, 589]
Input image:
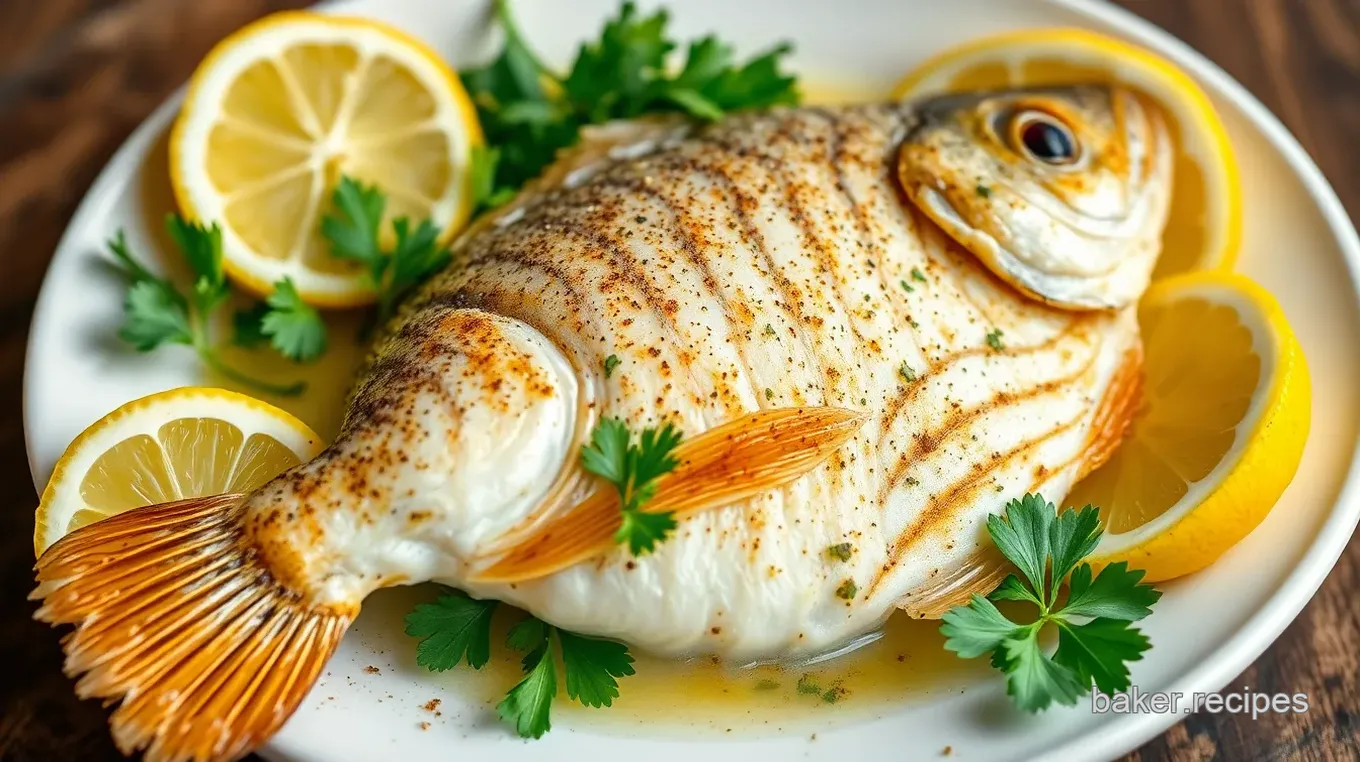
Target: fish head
[1061, 192]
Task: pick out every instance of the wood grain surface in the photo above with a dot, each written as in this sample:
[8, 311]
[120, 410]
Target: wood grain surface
[76, 76]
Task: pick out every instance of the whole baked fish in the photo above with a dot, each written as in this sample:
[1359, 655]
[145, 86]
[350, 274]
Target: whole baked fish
[873, 325]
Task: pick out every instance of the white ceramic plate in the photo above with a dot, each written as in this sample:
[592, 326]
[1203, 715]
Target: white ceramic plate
[1206, 630]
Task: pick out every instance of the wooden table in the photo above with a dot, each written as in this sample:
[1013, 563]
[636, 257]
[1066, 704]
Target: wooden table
[76, 76]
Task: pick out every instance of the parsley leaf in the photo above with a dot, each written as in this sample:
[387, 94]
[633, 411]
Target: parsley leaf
[607, 454]
[129, 264]
[1100, 650]
[642, 531]
[1096, 637]
[453, 626]
[527, 704]
[1022, 537]
[978, 628]
[653, 458]
[157, 313]
[529, 113]
[294, 327]
[633, 470]
[591, 666]
[1034, 679]
[1072, 537]
[456, 624]
[353, 229]
[1115, 593]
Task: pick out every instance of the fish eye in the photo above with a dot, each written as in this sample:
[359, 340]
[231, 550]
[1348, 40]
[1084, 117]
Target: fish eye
[1044, 137]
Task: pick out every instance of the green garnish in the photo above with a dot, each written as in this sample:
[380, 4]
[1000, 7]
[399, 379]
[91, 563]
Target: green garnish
[807, 686]
[453, 627]
[907, 373]
[1046, 546]
[291, 326]
[847, 590]
[984, 191]
[840, 551]
[156, 312]
[906, 286]
[353, 233]
[769, 330]
[633, 470]
[456, 627]
[916, 274]
[994, 339]
[530, 113]
[610, 363]
[769, 393]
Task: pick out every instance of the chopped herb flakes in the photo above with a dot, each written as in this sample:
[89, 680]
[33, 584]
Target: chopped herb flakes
[847, 590]
[840, 551]
[907, 373]
[610, 363]
[994, 340]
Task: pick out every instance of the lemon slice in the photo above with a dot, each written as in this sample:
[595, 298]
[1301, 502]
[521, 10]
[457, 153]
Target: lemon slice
[278, 111]
[1219, 433]
[186, 442]
[1205, 223]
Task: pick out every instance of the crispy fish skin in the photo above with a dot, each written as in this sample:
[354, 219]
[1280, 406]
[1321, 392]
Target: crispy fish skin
[769, 261]
[781, 287]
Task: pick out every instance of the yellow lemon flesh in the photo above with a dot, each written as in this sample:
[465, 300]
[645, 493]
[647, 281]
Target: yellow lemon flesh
[181, 443]
[278, 111]
[1219, 433]
[1204, 228]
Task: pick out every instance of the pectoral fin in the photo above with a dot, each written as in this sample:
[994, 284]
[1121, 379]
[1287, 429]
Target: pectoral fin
[724, 465]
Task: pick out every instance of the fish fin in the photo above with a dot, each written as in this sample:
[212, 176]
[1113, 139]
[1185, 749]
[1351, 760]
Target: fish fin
[979, 573]
[724, 465]
[178, 617]
[1114, 415]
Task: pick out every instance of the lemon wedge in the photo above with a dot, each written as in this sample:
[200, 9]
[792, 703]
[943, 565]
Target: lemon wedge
[1219, 433]
[278, 111]
[1205, 223]
[186, 442]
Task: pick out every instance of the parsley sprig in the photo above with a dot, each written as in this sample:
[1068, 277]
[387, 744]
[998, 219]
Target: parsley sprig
[456, 628]
[157, 313]
[633, 470]
[291, 326]
[353, 231]
[529, 113]
[1096, 637]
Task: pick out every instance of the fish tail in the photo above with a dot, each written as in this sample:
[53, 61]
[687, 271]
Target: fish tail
[178, 617]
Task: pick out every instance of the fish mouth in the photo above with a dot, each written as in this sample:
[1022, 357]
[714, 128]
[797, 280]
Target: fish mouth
[1042, 277]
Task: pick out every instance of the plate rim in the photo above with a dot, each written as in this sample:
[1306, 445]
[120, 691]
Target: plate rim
[1233, 654]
